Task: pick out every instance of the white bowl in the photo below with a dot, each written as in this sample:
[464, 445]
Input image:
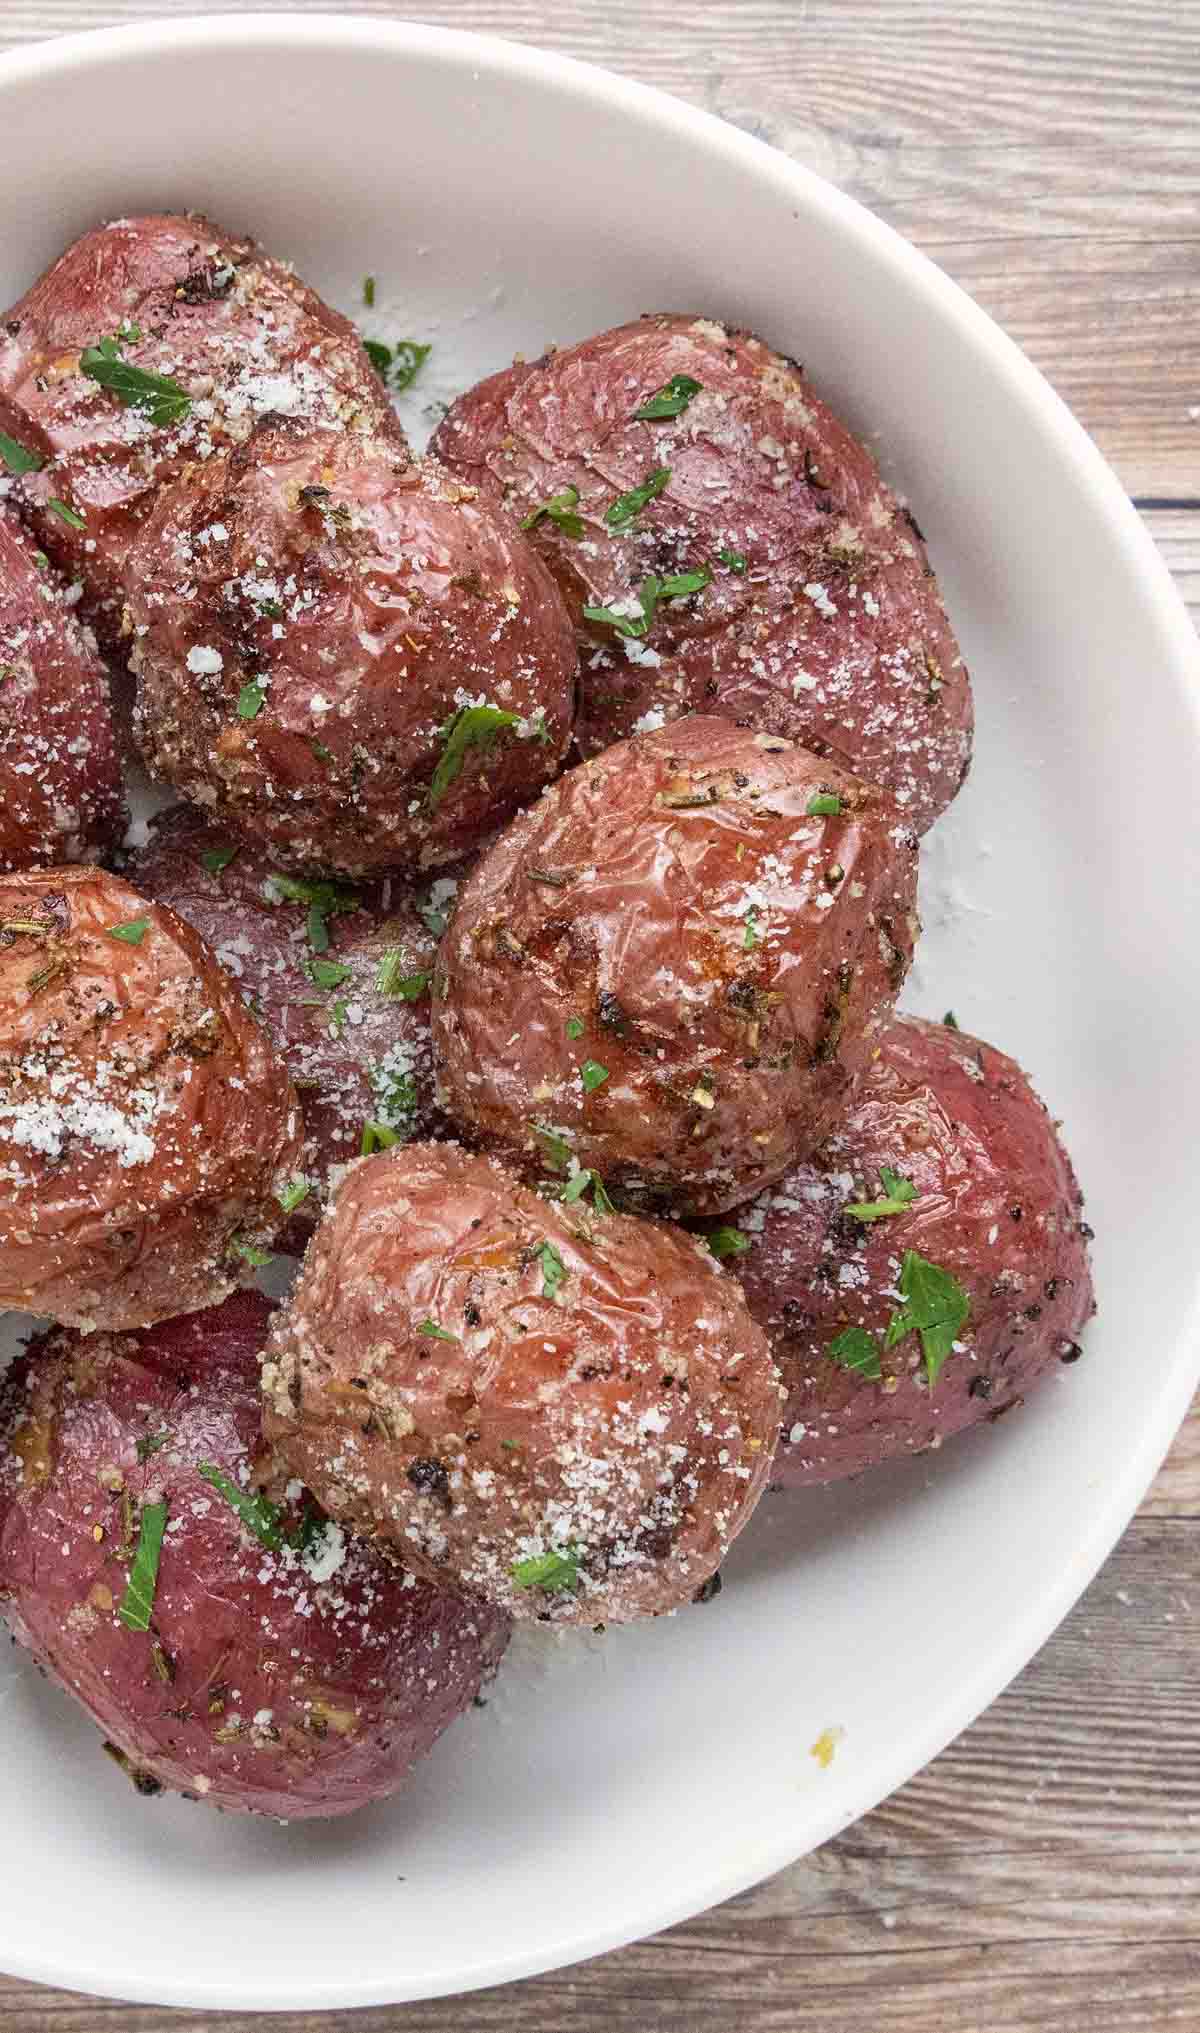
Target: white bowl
[505, 198]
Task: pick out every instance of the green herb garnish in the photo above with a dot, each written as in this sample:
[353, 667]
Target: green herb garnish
[750, 936]
[897, 1194]
[727, 1242]
[577, 1186]
[470, 727]
[250, 1253]
[327, 973]
[855, 1349]
[132, 932]
[380, 357]
[217, 858]
[70, 516]
[160, 398]
[951, 1021]
[150, 1443]
[554, 1271]
[669, 400]
[652, 590]
[554, 1147]
[294, 1192]
[325, 900]
[17, 457]
[575, 1027]
[824, 805]
[432, 1332]
[734, 559]
[390, 981]
[257, 1512]
[548, 1570]
[559, 510]
[410, 357]
[137, 1603]
[935, 1307]
[592, 1075]
[251, 700]
[377, 1136]
[369, 291]
[627, 507]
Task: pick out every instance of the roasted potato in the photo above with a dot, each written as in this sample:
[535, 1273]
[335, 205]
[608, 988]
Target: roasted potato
[943, 1196]
[677, 962]
[239, 1649]
[150, 345]
[565, 1410]
[60, 777]
[338, 975]
[343, 654]
[726, 546]
[148, 1129]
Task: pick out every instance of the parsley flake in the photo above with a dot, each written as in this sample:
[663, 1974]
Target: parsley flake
[257, 1512]
[592, 1075]
[951, 1021]
[727, 1242]
[652, 590]
[160, 398]
[150, 1443]
[733, 559]
[325, 900]
[17, 457]
[132, 932]
[824, 805]
[627, 507]
[554, 1271]
[669, 400]
[470, 727]
[369, 291]
[559, 509]
[377, 1136]
[410, 357]
[855, 1349]
[217, 858]
[294, 1192]
[432, 1332]
[575, 1027]
[751, 935]
[70, 516]
[935, 1307]
[380, 357]
[137, 1603]
[390, 981]
[578, 1185]
[555, 1149]
[897, 1194]
[250, 1253]
[548, 1570]
[251, 700]
[327, 973]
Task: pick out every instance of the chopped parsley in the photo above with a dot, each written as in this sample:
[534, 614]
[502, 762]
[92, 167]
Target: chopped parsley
[160, 398]
[325, 900]
[132, 932]
[217, 858]
[554, 1271]
[559, 509]
[396, 1097]
[432, 1332]
[377, 1136]
[897, 1194]
[327, 973]
[137, 1603]
[70, 516]
[627, 507]
[855, 1349]
[380, 357]
[548, 1570]
[17, 457]
[727, 1242]
[824, 805]
[470, 727]
[410, 357]
[257, 1512]
[575, 1027]
[294, 1192]
[555, 1148]
[652, 590]
[751, 935]
[935, 1307]
[669, 400]
[150, 1443]
[251, 700]
[592, 1075]
[250, 1253]
[734, 559]
[390, 981]
[369, 291]
[951, 1021]
[578, 1184]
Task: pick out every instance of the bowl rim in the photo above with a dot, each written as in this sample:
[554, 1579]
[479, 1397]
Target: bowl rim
[774, 1848]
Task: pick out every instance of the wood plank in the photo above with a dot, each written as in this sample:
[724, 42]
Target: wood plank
[1043, 155]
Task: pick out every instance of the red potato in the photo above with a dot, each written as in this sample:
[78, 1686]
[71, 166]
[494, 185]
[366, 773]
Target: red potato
[236, 331]
[821, 619]
[350, 1017]
[270, 1680]
[675, 966]
[345, 655]
[567, 1412]
[996, 1207]
[147, 1126]
[60, 776]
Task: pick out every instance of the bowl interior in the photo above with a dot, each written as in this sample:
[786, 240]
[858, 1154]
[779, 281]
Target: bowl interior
[612, 1785]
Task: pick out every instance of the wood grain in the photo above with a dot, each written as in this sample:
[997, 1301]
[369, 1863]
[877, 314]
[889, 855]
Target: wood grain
[1043, 1875]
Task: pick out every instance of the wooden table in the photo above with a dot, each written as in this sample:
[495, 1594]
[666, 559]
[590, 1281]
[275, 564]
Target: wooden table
[1044, 1872]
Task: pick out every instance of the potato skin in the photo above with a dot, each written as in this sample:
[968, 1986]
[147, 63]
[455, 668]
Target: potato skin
[998, 1206]
[60, 776]
[237, 330]
[827, 625]
[146, 1124]
[369, 610]
[287, 1694]
[355, 1053]
[729, 957]
[629, 1418]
